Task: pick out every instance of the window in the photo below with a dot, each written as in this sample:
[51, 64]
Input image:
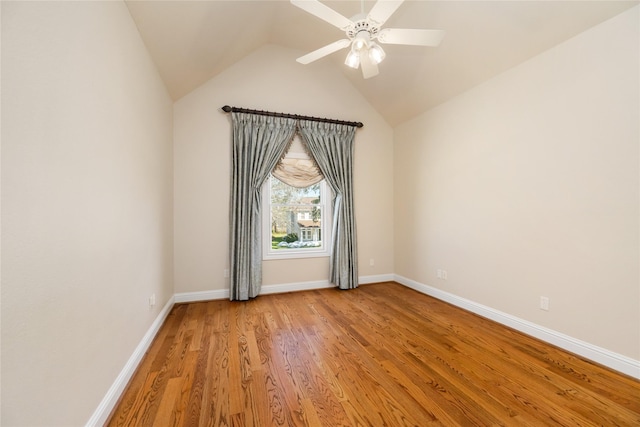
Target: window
[296, 222]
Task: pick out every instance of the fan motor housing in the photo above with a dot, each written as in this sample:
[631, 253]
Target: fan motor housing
[362, 25]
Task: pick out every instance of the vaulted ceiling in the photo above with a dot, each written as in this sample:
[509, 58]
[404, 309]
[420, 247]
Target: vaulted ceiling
[193, 41]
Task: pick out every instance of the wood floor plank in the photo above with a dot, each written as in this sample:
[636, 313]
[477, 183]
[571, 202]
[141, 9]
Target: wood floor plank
[133, 413]
[236, 394]
[216, 392]
[284, 398]
[194, 403]
[379, 355]
[166, 414]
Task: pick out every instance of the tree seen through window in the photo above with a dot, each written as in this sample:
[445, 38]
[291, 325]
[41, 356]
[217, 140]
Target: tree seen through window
[296, 216]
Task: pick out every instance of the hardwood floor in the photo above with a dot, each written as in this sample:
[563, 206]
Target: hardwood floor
[379, 355]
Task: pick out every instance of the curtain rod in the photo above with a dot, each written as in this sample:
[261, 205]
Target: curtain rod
[228, 109]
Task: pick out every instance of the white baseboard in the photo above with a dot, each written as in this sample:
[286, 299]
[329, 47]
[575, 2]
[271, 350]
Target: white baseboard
[276, 289]
[266, 289]
[363, 280]
[202, 296]
[295, 287]
[99, 417]
[592, 352]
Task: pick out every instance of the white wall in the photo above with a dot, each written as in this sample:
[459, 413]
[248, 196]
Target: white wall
[86, 205]
[528, 186]
[270, 79]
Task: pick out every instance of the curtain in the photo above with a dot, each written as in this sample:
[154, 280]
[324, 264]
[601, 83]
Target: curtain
[258, 144]
[331, 145]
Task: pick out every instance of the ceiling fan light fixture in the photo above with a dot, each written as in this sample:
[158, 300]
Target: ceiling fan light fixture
[361, 41]
[359, 44]
[361, 31]
[376, 53]
[353, 60]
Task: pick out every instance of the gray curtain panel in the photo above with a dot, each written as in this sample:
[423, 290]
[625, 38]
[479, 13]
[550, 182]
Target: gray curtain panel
[258, 144]
[331, 145]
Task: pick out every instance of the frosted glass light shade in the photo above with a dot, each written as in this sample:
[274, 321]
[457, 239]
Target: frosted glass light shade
[353, 60]
[376, 54]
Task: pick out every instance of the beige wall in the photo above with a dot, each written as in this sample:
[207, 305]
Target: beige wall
[270, 79]
[528, 186]
[86, 205]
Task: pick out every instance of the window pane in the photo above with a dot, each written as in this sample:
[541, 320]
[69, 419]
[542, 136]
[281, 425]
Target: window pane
[296, 216]
[284, 194]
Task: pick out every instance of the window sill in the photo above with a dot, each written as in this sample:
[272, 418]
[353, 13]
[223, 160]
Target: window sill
[295, 255]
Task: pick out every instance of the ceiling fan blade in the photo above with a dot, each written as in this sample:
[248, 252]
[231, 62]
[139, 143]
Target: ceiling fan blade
[323, 12]
[324, 51]
[369, 68]
[383, 10]
[411, 37]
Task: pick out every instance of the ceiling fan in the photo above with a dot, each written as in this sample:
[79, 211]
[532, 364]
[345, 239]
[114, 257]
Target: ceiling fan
[362, 31]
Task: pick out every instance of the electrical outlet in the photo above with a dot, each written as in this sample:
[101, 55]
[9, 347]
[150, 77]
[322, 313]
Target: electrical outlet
[372, 262]
[439, 274]
[226, 273]
[152, 300]
[544, 303]
[445, 275]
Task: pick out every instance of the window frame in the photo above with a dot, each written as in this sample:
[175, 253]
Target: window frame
[268, 253]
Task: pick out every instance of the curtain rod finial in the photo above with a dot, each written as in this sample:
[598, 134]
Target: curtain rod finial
[226, 109]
